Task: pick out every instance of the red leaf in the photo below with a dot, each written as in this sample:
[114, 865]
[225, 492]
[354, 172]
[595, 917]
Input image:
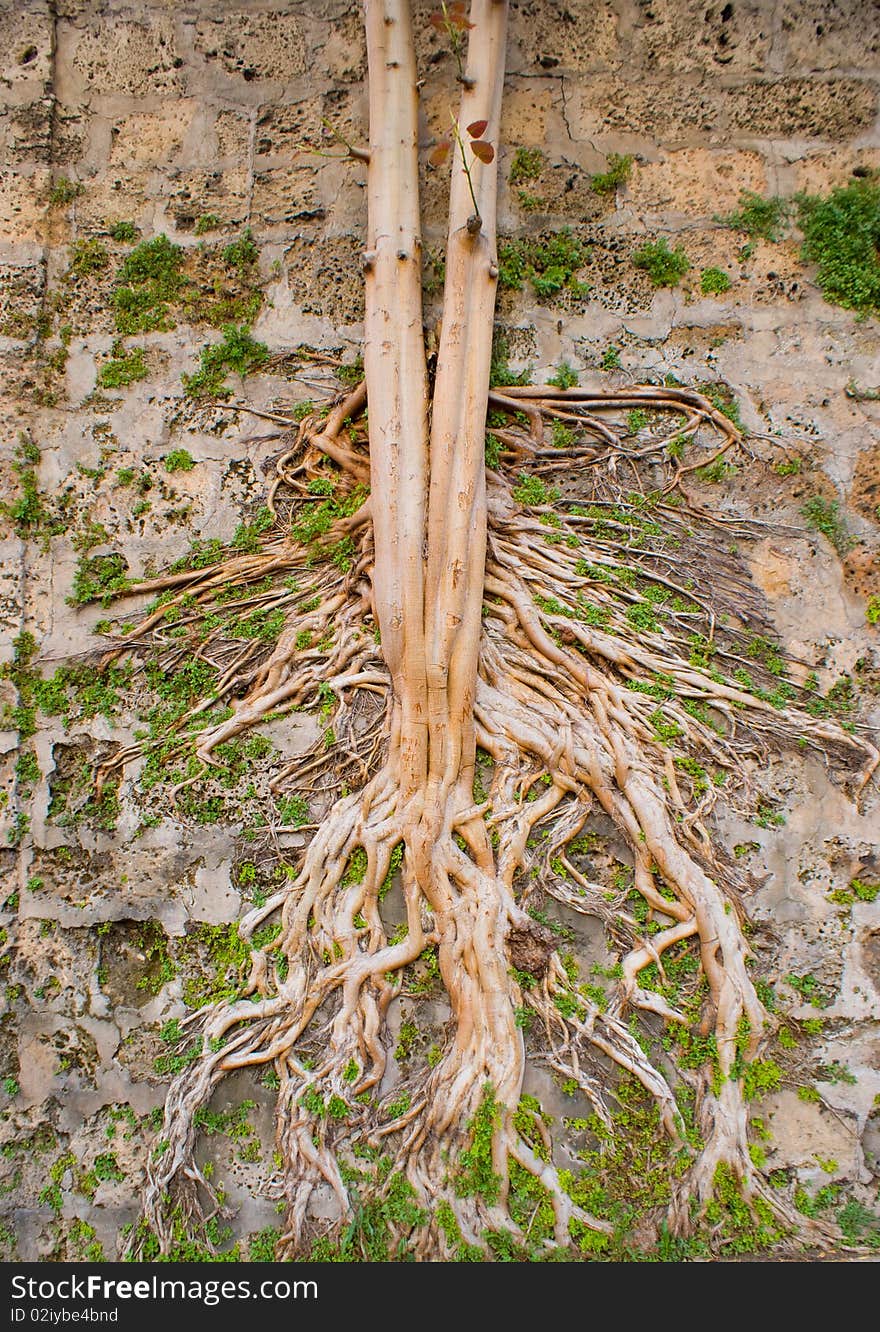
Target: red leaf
[484, 151]
[478, 128]
[439, 154]
[437, 21]
[459, 21]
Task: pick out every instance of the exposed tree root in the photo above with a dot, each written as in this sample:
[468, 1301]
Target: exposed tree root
[567, 709]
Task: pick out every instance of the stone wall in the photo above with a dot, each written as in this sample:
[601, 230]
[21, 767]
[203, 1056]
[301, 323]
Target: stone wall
[194, 121]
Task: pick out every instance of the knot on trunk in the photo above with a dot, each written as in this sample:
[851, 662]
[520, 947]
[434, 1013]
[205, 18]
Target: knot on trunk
[530, 948]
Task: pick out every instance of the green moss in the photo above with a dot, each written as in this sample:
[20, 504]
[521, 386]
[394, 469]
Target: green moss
[356, 867]
[99, 578]
[233, 1124]
[88, 257]
[743, 1226]
[293, 811]
[500, 373]
[122, 231]
[106, 1167]
[664, 267]
[859, 1224]
[822, 516]
[760, 218]
[150, 279]
[64, 191]
[716, 471]
[317, 520]
[549, 263]
[761, 1077]
[809, 989]
[619, 170]
[528, 163]
[532, 491]
[262, 1245]
[123, 368]
[351, 375]
[565, 378]
[225, 962]
[630, 1170]
[29, 513]
[380, 1223]
[394, 864]
[237, 353]
[243, 253]
[159, 966]
[83, 1241]
[475, 1176]
[27, 772]
[714, 282]
[178, 460]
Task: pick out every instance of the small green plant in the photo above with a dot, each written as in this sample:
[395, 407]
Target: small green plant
[610, 359]
[840, 237]
[64, 191]
[809, 988]
[475, 1175]
[88, 257]
[229, 959]
[178, 460]
[760, 218]
[28, 512]
[500, 373]
[261, 1246]
[619, 170]
[716, 471]
[293, 811]
[150, 278]
[480, 149]
[859, 1224]
[122, 231]
[532, 490]
[822, 516]
[98, 578]
[243, 253]
[565, 377]
[106, 1167]
[207, 222]
[248, 534]
[664, 267]
[238, 353]
[549, 263]
[714, 282]
[352, 373]
[528, 163]
[872, 610]
[123, 368]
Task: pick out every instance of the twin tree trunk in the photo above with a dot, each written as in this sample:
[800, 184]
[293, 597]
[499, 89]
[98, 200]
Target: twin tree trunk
[430, 516]
[427, 458]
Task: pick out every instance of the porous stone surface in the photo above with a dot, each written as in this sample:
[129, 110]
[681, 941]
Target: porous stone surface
[197, 121]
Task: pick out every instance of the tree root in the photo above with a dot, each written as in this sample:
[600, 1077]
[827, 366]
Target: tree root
[583, 704]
